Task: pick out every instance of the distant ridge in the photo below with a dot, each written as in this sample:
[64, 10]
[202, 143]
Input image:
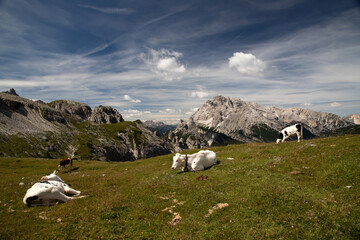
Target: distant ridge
[354, 118]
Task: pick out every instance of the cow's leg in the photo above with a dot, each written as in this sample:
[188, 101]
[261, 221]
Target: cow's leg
[60, 196]
[71, 191]
[299, 136]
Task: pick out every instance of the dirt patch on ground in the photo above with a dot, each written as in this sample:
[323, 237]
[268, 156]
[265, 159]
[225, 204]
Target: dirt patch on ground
[202, 178]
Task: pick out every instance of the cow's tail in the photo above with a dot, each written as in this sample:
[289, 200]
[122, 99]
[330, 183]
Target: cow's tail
[302, 135]
[71, 159]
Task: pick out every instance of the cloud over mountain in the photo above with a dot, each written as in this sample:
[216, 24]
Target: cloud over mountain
[246, 63]
[130, 99]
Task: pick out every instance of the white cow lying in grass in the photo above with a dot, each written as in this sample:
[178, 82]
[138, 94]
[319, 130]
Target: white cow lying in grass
[288, 132]
[194, 162]
[49, 191]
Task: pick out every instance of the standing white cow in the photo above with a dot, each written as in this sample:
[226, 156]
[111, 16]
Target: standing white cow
[288, 132]
[194, 162]
[49, 191]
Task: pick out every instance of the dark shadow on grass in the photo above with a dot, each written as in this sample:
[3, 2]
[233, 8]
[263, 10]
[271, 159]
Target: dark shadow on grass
[71, 170]
[217, 163]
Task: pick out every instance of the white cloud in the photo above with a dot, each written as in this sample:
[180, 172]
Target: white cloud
[133, 114]
[193, 110]
[167, 110]
[164, 63]
[130, 99]
[199, 94]
[335, 104]
[247, 64]
[307, 104]
[170, 65]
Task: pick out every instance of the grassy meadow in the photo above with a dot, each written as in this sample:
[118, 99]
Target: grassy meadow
[307, 190]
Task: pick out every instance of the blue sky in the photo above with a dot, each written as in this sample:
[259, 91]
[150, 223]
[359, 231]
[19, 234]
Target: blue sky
[160, 60]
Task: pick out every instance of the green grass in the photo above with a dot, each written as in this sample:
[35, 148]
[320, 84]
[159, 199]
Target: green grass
[285, 191]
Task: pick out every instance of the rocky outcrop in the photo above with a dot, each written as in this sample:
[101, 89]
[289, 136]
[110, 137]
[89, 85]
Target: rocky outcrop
[103, 114]
[250, 122]
[79, 110]
[12, 92]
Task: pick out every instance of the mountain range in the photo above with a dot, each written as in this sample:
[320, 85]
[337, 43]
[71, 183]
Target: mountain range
[225, 120]
[65, 128]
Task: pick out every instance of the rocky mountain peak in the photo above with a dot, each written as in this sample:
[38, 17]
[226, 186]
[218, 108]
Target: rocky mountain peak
[105, 114]
[242, 121]
[12, 92]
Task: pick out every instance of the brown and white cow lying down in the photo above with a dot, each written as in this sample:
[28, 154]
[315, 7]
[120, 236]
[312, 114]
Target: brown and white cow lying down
[51, 190]
[195, 162]
[65, 161]
[288, 132]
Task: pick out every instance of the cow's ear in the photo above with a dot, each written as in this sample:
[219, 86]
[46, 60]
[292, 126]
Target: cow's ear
[183, 160]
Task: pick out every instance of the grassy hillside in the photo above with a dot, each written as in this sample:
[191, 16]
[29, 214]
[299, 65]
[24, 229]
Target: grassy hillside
[268, 191]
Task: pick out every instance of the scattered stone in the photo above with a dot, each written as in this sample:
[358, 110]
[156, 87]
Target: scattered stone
[42, 216]
[168, 209]
[216, 207]
[296, 172]
[170, 196]
[177, 218]
[349, 187]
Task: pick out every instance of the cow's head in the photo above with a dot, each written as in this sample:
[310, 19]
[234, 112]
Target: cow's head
[52, 176]
[178, 161]
[40, 194]
[280, 138]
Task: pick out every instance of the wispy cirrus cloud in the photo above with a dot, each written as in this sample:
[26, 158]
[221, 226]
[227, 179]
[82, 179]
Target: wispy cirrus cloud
[121, 11]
